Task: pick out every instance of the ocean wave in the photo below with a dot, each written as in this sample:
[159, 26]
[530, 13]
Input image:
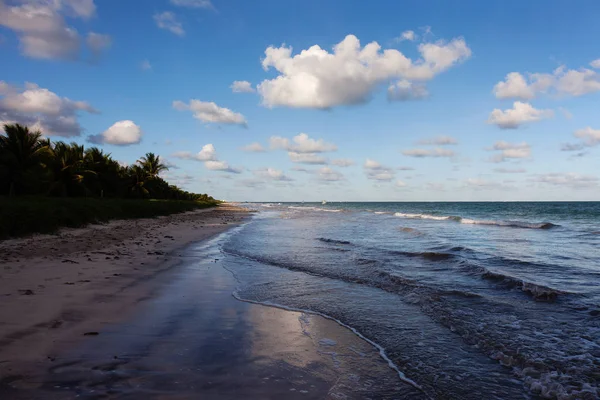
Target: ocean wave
[334, 241]
[380, 279]
[424, 216]
[513, 224]
[469, 221]
[538, 291]
[412, 231]
[427, 255]
[309, 208]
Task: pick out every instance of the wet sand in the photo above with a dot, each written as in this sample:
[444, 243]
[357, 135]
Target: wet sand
[188, 337]
[56, 288]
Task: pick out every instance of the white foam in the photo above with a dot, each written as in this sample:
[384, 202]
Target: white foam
[422, 216]
[314, 209]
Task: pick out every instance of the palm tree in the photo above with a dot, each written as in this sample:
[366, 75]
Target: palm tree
[107, 172]
[21, 151]
[152, 165]
[69, 170]
[137, 180]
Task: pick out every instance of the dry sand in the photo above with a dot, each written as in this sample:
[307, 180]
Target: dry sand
[56, 288]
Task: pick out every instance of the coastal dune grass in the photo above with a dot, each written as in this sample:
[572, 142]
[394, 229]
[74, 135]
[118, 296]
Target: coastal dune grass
[27, 215]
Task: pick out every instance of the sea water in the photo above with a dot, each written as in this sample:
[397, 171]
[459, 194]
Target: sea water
[466, 300]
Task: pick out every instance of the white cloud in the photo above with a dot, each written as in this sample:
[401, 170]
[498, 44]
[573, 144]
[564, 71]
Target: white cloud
[400, 183]
[43, 32]
[520, 114]
[145, 65]
[302, 143]
[41, 109]
[439, 141]
[569, 179]
[373, 165]
[168, 21]
[122, 133]
[342, 162]
[302, 149]
[562, 82]
[222, 166]
[514, 87]
[307, 158]
[193, 3]
[510, 170]
[405, 169]
[180, 180]
[502, 145]
[407, 35]
[404, 90]
[421, 153]
[316, 78]
[241, 87]
[378, 172]
[168, 163]
[591, 137]
[254, 148]
[273, 174]
[479, 183]
[208, 155]
[209, 112]
[327, 174]
[510, 151]
[97, 43]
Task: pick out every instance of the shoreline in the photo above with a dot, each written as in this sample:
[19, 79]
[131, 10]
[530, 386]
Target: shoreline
[58, 288]
[186, 334]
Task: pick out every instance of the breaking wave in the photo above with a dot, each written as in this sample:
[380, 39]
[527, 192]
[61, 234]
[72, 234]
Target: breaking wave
[314, 209]
[513, 224]
[537, 291]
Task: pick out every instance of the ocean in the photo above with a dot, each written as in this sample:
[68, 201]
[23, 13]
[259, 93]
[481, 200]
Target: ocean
[465, 300]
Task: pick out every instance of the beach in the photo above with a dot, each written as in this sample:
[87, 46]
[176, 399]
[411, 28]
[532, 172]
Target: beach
[55, 288]
[142, 309]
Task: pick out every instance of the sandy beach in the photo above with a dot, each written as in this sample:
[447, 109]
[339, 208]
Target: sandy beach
[57, 288]
[143, 309]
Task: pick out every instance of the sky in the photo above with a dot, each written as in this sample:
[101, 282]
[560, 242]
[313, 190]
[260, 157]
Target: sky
[426, 100]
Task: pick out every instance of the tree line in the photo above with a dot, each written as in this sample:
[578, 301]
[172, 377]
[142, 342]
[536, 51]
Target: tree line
[33, 165]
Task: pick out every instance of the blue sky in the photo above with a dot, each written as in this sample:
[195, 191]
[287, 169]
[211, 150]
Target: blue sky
[415, 118]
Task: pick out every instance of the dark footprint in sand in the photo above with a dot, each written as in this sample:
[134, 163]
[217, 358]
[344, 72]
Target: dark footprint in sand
[26, 292]
[91, 334]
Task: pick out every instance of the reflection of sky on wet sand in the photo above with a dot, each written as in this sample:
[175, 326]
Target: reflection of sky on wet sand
[194, 339]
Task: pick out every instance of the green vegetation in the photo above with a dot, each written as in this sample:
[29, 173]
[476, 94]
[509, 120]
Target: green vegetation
[45, 185]
[45, 215]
